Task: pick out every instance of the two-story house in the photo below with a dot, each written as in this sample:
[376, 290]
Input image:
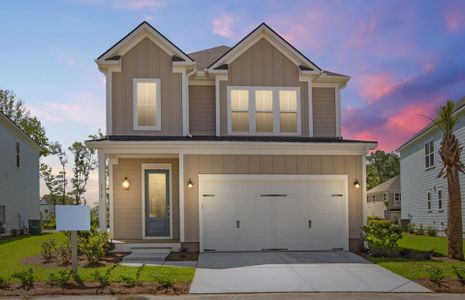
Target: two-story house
[227, 149]
[384, 200]
[424, 194]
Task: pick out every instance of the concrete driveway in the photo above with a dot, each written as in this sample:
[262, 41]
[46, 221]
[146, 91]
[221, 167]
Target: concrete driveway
[249, 272]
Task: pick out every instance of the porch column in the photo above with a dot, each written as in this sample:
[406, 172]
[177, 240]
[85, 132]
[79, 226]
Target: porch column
[102, 191]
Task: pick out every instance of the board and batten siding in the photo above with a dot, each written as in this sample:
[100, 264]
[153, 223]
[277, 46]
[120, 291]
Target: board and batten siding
[271, 164]
[324, 112]
[127, 204]
[19, 186]
[202, 111]
[146, 60]
[415, 181]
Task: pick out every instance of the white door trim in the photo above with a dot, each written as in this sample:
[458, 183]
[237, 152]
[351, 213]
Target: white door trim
[156, 167]
[345, 231]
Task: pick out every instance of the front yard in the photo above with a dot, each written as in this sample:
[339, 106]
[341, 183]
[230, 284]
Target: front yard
[16, 251]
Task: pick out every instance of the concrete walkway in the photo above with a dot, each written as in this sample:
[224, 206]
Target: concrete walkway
[264, 272]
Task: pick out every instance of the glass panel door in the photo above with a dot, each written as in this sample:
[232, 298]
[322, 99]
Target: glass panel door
[157, 203]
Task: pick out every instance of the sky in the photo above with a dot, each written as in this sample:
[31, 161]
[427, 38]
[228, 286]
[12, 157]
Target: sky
[405, 57]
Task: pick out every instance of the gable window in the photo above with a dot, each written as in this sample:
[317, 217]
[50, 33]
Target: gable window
[397, 198]
[18, 154]
[428, 197]
[440, 200]
[263, 110]
[147, 108]
[429, 154]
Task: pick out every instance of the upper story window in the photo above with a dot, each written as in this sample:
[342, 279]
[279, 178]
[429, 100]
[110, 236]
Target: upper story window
[263, 110]
[147, 108]
[18, 154]
[429, 154]
[397, 198]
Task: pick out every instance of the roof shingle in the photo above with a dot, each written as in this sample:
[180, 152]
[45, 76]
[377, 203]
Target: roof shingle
[204, 58]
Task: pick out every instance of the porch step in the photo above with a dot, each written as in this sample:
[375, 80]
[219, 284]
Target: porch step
[151, 250]
[147, 258]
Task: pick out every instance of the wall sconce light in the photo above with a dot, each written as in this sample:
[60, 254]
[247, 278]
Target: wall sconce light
[356, 184]
[190, 184]
[125, 184]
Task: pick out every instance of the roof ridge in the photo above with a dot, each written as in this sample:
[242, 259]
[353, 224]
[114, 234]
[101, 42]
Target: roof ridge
[206, 49]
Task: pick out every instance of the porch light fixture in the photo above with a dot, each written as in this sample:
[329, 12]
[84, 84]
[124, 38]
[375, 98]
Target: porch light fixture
[190, 184]
[125, 184]
[356, 184]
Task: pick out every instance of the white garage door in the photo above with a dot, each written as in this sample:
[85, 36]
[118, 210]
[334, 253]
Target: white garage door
[264, 212]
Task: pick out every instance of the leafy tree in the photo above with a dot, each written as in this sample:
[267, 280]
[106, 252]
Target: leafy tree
[381, 166]
[16, 110]
[84, 162]
[56, 149]
[50, 181]
[450, 152]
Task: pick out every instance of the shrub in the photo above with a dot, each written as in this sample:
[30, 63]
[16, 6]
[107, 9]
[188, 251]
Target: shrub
[4, 283]
[411, 228]
[104, 278]
[420, 230]
[60, 279]
[436, 275]
[25, 277]
[374, 218]
[460, 273]
[431, 231]
[164, 280]
[132, 282]
[48, 247]
[382, 236]
[65, 253]
[96, 246]
[139, 273]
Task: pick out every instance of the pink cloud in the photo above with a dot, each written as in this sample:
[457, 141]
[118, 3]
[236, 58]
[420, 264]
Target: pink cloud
[127, 4]
[375, 86]
[222, 25]
[454, 21]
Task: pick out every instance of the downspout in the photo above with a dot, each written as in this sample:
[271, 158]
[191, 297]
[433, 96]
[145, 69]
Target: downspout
[194, 69]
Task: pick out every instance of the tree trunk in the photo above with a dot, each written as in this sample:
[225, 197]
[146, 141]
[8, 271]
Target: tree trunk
[454, 216]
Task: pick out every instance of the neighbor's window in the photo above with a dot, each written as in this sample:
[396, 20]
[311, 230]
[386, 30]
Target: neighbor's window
[429, 154]
[384, 197]
[18, 154]
[263, 110]
[397, 198]
[429, 200]
[2, 215]
[440, 200]
[147, 110]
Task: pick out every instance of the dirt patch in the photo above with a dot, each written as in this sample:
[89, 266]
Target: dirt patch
[107, 260]
[446, 286]
[91, 288]
[182, 256]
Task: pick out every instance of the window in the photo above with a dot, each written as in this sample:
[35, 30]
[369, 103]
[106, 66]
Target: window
[397, 198]
[2, 215]
[263, 110]
[384, 197]
[147, 110]
[374, 198]
[18, 154]
[429, 200]
[440, 200]
[429, 154]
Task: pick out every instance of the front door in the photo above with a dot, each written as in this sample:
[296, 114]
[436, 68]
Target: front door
[157, 203]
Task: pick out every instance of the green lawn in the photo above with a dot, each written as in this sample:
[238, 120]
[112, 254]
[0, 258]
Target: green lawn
[415, 269]
[13, 251]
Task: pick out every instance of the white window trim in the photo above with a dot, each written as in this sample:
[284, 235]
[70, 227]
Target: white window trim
[431, 166]
[252, 111]
[134, 104]
[397, 202]
[429, 202]
[442, 199]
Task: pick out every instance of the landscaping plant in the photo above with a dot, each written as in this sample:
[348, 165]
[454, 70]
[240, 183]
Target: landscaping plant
[431, 231]
[420, 230]
[411, 228]
[382, 236]
[103, 278]
[164, 280]
[25, 277]
[65, 253]
[60, 279]
[436, 275]
[460, 273]
[48, 247]
[96, 246]
[131, 282]
[4, 282]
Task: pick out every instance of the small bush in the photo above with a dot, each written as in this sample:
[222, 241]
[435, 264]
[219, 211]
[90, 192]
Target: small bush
[104, 278]
[460, 273]
[382, 236]
[48, 248]
[64, 252]
[374, 218]
[60, 279]
[132, 282]
[26, 278]
[420, 230]
[4, 283]
[431, 231]
[165, 281]
[435, 274]
[96, 246]
[411, 228]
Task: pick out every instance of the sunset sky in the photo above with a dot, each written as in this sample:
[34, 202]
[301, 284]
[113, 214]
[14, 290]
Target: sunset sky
[405, 57]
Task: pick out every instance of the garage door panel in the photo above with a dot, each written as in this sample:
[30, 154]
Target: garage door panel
[220, 241]
[250, 241]
[299, 241]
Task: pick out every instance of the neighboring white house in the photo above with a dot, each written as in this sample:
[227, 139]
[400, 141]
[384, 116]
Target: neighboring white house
[424, 195]
[19, 177]
[387, 192]
[46, 209]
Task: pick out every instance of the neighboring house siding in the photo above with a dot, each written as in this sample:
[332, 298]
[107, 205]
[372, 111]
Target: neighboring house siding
[146, 60]
[416, 181]
[263, 65]
[202, 120]
[376, 209]
[19, 187]
[127, 204]
[324, 112]
[271, 164]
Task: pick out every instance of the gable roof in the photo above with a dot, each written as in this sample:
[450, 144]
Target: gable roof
[303, 60]
[392, 184]
[19, 132]
[110, 55]
[206, 57]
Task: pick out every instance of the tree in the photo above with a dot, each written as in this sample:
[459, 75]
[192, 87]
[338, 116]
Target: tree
[450, 152]
[381, 166]
[50, 181]
[56, 149]
[84, 162]
[16, 110]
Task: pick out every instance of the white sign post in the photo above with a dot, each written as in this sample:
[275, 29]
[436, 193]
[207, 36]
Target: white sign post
[73, 218]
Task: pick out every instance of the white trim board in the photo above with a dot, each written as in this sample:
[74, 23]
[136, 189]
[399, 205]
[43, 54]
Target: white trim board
[135, 124]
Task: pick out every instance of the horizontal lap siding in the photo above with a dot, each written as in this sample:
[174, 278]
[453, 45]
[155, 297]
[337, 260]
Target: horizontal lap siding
[127, 209]
[202, 120]
[324, 112]
[270, 164]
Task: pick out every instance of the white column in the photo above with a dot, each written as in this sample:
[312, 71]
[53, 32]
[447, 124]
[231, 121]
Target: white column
[337, 91]
[102, 182]
[181, 197]
[364, 188]
[310, 107]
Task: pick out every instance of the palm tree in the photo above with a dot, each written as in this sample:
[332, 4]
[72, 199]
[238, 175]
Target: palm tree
[450, 152]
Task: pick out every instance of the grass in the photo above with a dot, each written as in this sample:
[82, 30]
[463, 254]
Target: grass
[15, 250]
[416, 269]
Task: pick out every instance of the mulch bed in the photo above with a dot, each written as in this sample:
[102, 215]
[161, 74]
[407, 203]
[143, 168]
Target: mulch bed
[91, 288]
[182, 256]
[107, 260]
[446, 286]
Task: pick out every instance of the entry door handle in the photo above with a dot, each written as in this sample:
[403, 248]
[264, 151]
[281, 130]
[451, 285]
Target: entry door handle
[238, 224]
[309, 223]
